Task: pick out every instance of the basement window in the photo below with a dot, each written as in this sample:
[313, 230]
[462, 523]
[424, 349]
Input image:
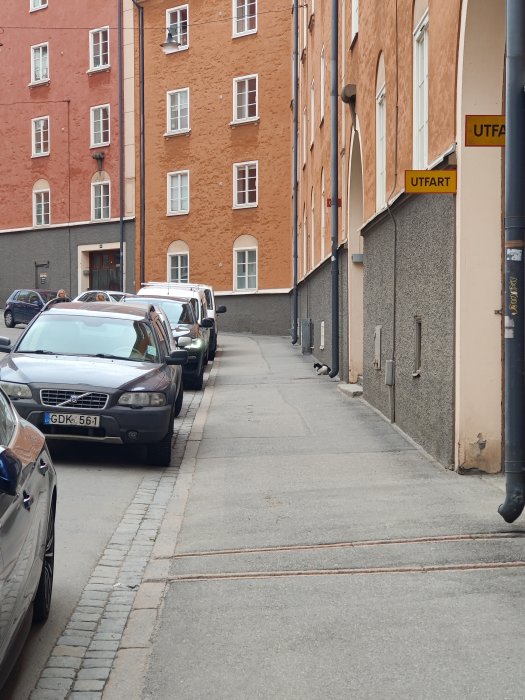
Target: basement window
[417, 347]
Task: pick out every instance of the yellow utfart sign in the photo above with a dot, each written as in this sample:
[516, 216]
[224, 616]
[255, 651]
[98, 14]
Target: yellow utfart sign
[430, 181]
[484, 130]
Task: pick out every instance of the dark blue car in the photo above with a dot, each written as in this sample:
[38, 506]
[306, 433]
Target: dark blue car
[24, 304]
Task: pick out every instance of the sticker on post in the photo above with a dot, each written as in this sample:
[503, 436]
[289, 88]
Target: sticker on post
[514, 254]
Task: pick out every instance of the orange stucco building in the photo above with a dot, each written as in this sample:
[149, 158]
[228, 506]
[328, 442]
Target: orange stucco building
[217, 92]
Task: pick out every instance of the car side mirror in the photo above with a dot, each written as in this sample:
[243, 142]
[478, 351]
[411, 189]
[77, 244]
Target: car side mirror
[220, 310]
[5, 344]
[10, 468]
[184, 341]
[207, 323]
[177, 357]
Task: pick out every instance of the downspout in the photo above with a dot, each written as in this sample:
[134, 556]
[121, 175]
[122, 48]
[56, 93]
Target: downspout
[335, 189]
[121, 145]
[514, 279]
[295, 293]
[142, 145]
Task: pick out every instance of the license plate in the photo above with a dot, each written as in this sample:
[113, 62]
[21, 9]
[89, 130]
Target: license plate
[71, 419]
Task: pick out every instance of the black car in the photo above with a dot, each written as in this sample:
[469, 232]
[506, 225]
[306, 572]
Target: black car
[187, 332]
[28, 493]
[24, 304]
[98, 372]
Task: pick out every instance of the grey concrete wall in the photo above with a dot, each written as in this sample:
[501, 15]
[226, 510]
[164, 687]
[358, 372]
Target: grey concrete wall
[425, 280]
[315, 302]
[265, 314]
[20, 250]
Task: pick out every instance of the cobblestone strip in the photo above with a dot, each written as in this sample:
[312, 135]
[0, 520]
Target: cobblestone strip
[81, 661]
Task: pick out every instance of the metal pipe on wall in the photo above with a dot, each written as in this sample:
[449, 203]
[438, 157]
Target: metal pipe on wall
[121, 143]
[142, 144]
[335, 188]
[514, 277]
[295, 293]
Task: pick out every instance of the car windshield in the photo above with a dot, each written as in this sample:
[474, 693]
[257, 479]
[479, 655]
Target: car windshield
[176, 311]
[47, 296]
[92, 336]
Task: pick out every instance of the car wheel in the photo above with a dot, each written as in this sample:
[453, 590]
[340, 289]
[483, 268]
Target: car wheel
[42, 602]
[179, 400]
[158, 454]
[9, 319]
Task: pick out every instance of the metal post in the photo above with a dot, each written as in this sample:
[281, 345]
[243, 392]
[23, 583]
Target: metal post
[514, 278]
[142, 145]
[295, 295]
[335, 188]
[121, 145]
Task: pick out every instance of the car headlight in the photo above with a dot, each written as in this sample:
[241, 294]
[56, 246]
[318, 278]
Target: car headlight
[142, 398]
[196, 343]
[16, 391]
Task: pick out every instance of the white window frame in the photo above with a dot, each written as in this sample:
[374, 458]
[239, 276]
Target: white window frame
[355, 20]
[176, 46]
[420, 99]
[94, 185]
[34, 140]
[169, 95]
[179, 174]
[92, 126]
[381, 148]
[305, 121]
[34, 79]
[103, 66]
[236, 82]
[245, 250]
[170, 267]
[43, 191]
[35, 5]
[312, 227]
[312, 113]
[236, 168]
[323, 217]
[322, 83]
[235, 18]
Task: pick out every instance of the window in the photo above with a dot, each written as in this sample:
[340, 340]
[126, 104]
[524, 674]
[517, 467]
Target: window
[244, 17]
[177, 27]
[99, 49]
[37, 5]
[245, 98]
[7, 423]
[312, 227]
[312, 113]
[39, 64]
[305, 242]
[417, 347]
[246, 269]
[322, 83]
[179, 265]
[245, 185]
[421, 94]
[323, 205]
[381, 148]
[179, 192]
[179, 111]
[40, 136]
[99, 126]
[41, 207]
[304, 135]
[355, 20]
[101, 204]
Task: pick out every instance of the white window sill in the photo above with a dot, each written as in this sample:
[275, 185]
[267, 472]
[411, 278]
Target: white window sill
[246, 291]
[249, 32]
[240, 122]
[102, 69]
[38, 83]
[182, 132]
[42, 225]
[98, 221]
[36, 9]
[178, 213]
[353, 39]
[40, 155]
[170, 47]
[99, 145]
[245, 206]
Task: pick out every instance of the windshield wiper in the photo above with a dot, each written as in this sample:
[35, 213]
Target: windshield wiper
[110, 357]
[40, 352]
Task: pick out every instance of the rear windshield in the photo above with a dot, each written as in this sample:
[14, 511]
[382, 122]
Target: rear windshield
[47, 296]
[176, 311]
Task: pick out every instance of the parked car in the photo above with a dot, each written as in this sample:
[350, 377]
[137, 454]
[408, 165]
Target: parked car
[28, 492]
[212, 309]
[105, 373]
[196, 297]
[187, 332]
[101, 295]
[24, 304]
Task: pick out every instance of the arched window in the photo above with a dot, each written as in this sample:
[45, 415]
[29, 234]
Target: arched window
[41, 203]
[380, 135]
[245, 249]
[420, 77]
[178, 262]
[100, 196]
[305, 243]
[312, 227]
[323, 205]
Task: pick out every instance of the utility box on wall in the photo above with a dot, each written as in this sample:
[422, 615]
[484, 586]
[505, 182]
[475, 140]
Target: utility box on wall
[306, 335]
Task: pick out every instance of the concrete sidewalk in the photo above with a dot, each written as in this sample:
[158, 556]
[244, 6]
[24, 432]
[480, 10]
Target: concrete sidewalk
[311, 551]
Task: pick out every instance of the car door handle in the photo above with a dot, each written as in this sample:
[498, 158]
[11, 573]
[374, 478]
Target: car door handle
[43, 467]
[28, 501]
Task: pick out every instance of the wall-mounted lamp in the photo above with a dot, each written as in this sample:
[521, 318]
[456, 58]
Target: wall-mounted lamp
[99, 157]
[170, 42]
[348, 96]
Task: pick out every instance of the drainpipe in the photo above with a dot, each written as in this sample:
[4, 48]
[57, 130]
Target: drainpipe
[295, 294]
[121, 145]
[335, 189]
[142, 145]
[514, 278]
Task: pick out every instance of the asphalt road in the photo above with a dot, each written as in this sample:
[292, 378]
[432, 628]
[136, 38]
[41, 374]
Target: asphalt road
[95, 486]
